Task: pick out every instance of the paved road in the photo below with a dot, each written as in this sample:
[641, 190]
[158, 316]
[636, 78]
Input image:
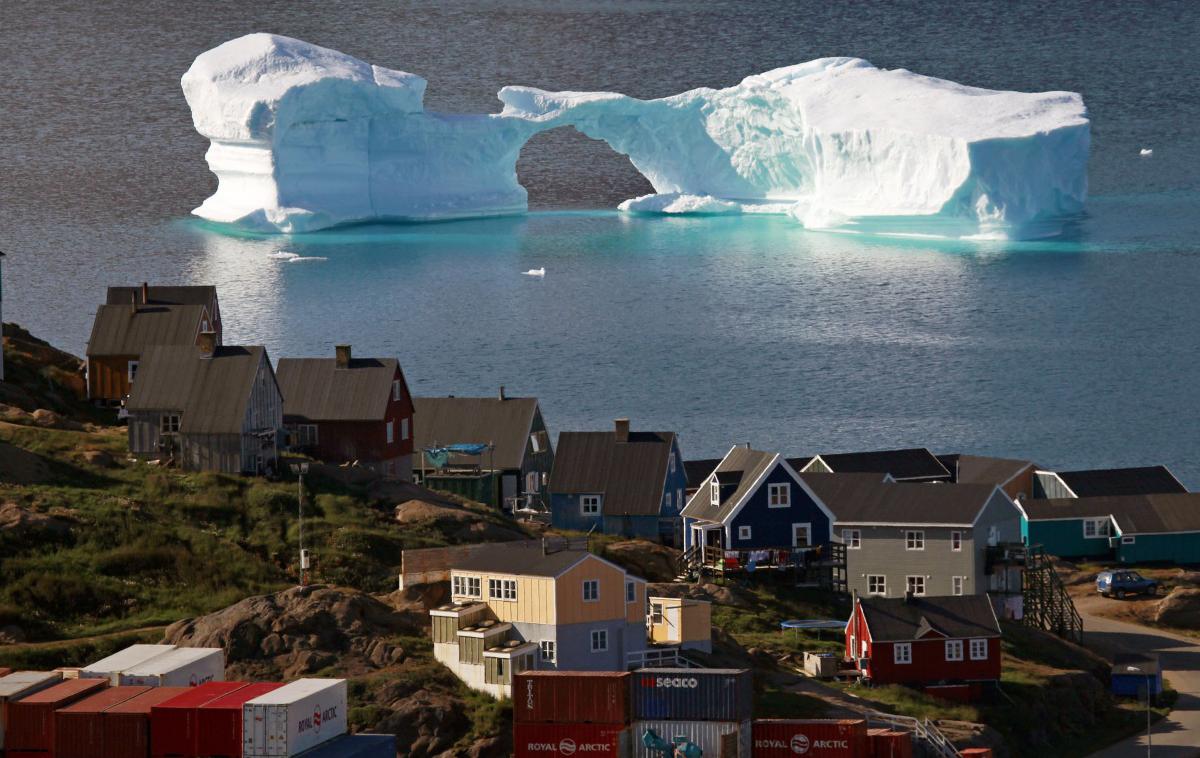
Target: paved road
[1178, 735]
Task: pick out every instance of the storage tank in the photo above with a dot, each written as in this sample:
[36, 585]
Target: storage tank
[728, 739]
[534, 740]
[110, 668]
[294, 718]
[571, 697]
[31, 719]
[356, 746]
[127, 725]
[181, 667]
[693, 694]
[14, 686]
[816, 738]
[220, 721]
[78, 728]
[175, 723]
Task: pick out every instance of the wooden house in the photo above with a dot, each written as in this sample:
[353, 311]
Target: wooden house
[905, 465]
[121, 333]
[207, 408]
[1109, 482]
[619, 482]
[681, 621]
[202, 294]
[345, 409]
[1131, 529]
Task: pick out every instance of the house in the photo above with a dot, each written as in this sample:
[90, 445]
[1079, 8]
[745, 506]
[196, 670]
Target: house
[619, 482]
[681, 621]
[520, 605]
[1013, 475]
[907, 465]
[344, 409]
[1141, 480]
[203, 294]
[915, 538]
[755, 500]
[121, 333]
[1158, 527]
[947, 646]
[518, 456]
[208, 407]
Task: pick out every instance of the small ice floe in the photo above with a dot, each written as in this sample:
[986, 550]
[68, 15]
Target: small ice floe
[1146, 152]
[307, 259]
[282, 256]
[536, 272]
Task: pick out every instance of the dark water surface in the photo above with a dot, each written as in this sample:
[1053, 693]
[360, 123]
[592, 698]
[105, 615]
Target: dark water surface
[1078, 352]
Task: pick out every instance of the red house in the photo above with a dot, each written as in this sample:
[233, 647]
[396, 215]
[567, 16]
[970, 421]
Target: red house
[948, 646]
[347, 409]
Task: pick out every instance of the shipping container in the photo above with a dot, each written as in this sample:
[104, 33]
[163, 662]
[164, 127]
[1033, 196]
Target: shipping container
[4, 672]
[110, 668]
[127, 726]
[181, 667]
[693, 694]
[886, 743]
[294, 718]
[31, 719]
[355, 746]
[534, 740]
[572, 697]
[79, 729]
[976, 752]
[220, 721]
[717, 739]
[174, 724]
[817, 738]
[14, 686]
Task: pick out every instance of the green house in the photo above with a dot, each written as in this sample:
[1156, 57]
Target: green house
[1163, 527]
[1075, 527]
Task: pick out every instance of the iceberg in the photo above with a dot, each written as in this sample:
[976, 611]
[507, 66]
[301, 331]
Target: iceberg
[304, 138]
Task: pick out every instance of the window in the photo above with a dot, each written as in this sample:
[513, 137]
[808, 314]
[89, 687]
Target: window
[914, 540]
[902, 652]
[630, 592]
[391, 432]
[590, 504]
[549, 650]
[539, 442]
[715, 492]
[667, 501]
[656, 613]
[993, 535]
[468, 586]
[599, 640]
[743, 532]
[502, 589]
[304, 435]
[954, 650]
[531, 481]
[1128, 539]
[671, 463]
[801, 535]
[591, 590]
[916, 584]
[956, 541]
[396, 389]
[876, 584]
[852, 538]
[957, 583]
[169, 423]
[979, 650]
[403, 428]
[133, 365]
[779, 495]
[1094, 528]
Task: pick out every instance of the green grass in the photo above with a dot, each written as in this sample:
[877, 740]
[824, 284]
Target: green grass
[909, 702]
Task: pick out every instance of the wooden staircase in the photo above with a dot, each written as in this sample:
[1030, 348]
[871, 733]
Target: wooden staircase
[1047, 603]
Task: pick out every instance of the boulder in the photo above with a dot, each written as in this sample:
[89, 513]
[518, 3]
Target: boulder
[649, 560]
[1181, 608]
[98, 458]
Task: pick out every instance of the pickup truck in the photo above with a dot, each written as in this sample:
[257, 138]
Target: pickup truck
[1118, 584]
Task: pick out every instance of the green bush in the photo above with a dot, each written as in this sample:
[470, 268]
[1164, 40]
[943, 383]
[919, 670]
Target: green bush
[57, 595]
[136, 560]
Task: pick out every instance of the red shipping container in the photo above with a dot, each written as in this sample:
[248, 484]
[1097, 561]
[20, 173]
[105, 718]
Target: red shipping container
[976, 752]
[541, 740]
[127, 726]
[31, 719]
[4, 671]
[818, 738]
[174, 724]
[78, 729]
[572, 697]
[888, 744]
[220, 721]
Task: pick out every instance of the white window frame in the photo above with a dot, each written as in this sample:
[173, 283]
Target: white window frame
[1100, 528]
[979, 650]
[914, 539]
[667, 500]
[532, 481]
[589, 505]
[910, 585]
[630, 593]
[954, 650]
[404, 428]
[395, 389]
[602, 636]
[807, 531]
[656, 614]
[1128, 539]
[131, 370]
[168, 423]
[956, 540]
[391, 432]
[852, 538]
[878, 580]
[671, 463]
[715, 492]
[779, 495]
[548, 649]
[502, 589]
[468, 586]
[902, 653]
[595, 585]
[306, 434]
[744, 532]
[958, 585]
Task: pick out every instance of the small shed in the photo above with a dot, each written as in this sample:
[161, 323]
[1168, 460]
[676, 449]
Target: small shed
[1132, 672]
[681, 621]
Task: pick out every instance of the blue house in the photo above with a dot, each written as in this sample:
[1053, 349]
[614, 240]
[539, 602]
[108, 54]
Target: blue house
[619, 482]
[755, 500]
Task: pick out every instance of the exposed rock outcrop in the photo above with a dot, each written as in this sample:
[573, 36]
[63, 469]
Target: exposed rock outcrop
[1181, 608]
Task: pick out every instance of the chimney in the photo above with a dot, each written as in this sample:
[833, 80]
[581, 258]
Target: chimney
[133, 303]
[145, 293]
[621, 427]
[501, 395]
[341, 356]
[207, 343]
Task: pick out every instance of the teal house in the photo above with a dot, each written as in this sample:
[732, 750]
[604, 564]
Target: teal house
[1162, 527]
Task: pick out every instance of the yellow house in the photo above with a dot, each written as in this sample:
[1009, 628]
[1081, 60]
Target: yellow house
[681, 621]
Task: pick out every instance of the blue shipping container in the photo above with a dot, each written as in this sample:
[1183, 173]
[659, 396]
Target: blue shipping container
[355, 746]
[693, 694]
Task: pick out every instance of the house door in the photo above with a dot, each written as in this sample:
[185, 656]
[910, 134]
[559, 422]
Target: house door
[508, 487]
[801, 535]
[712, 537]
[671, 616]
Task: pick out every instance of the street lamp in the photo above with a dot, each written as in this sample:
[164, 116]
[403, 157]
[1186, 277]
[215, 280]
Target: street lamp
[1137, 670]
[300, 469]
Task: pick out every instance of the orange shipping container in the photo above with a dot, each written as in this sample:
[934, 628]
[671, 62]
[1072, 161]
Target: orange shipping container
[818, 738]
[78, 729]
[127, 725]
[31, 719]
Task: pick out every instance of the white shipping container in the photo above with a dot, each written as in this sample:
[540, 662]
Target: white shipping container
[110, 668]
[294, 718]
[181, 667]
[706, 734]
[19, 684]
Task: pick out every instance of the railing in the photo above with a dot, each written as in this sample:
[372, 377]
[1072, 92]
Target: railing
[922, 730]
[1047, 604]
[659, 657]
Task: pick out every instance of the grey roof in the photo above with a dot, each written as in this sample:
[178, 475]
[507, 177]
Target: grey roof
[630, 474]
[203, 294]
[1156, 513]
[698, 470]
[315, 389]
[211, 394]
[955, 616]
[741, 466]
[909, 463]
[519, 557]
[124, 330]
[448, 420]
[1144, 480]
[866, 499]
[982, 469]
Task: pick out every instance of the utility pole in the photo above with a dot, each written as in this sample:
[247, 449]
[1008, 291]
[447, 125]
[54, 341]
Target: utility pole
[1137, 670]
[2, 257]
[301, 469]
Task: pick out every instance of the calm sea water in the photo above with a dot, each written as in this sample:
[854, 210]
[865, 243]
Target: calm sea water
[1079, 352]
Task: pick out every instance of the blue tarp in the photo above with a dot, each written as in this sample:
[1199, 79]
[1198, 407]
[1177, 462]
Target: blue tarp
[440, 456]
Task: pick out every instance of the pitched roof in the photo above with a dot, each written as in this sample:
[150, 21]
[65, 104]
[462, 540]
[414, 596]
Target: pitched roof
[866, 499]
[982, 469]
[519, 557]
[697, 471]
[1144, 480]
[122, 330]
[202, 294]
[955, 616]
[909, 463]
[741, 466]
[211, 394]
[315, 389]
[1135, 514]
[630, 474]
[505, 423]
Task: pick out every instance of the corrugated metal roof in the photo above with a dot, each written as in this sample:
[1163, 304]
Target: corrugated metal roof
[123, 330]
[697, 471]
[448, 420]
[956, 616]
[741, 466]
[203, 294]
[909, 463]
[519, 557]
[866, 499]
[630, 474]
[982, 469]
[1143, 480]
[1156, 513]
[211, 394]
[315, 389]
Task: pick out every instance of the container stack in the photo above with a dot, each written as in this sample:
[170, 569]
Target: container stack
[79, 727]
[14, 686]
[127, 726]
[31, 722]
[294, 718]
[817, 738]
[710, 708]
[220, 721]
[175, 724]
[561, 713]
[113, 666]
[181, 667]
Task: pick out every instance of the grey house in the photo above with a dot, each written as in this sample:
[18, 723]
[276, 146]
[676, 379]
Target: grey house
[928, 539]
[208, 408]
